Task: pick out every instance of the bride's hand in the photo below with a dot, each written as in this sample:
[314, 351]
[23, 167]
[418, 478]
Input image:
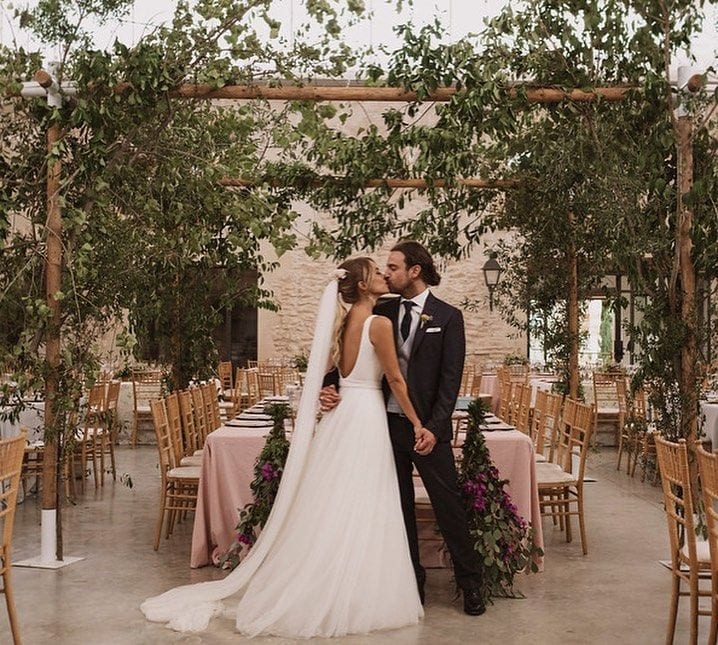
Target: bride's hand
[328, 398]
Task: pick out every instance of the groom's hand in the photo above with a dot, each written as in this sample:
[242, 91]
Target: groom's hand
[328, 398]
[425, 441]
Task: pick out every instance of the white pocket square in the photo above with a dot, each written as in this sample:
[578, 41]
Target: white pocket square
[433, 330]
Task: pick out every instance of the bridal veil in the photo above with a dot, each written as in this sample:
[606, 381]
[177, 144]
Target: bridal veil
[191, 607]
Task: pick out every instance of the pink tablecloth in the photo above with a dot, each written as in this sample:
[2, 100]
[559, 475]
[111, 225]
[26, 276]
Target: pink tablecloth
[227, 472]
[512, 453]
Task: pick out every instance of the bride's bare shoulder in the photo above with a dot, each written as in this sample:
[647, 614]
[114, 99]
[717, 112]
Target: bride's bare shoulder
[380, 327]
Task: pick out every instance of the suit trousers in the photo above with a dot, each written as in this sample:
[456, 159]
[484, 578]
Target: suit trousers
[438, 473]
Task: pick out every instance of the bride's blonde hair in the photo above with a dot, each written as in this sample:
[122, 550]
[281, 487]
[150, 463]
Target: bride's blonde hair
[357, 270]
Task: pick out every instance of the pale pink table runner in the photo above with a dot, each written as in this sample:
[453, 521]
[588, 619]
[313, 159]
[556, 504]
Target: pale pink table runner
[227, 472]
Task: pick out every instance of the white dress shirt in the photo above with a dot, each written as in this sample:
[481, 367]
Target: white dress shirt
[403, 347]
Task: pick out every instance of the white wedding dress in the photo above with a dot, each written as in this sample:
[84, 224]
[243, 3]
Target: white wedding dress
[338, 562]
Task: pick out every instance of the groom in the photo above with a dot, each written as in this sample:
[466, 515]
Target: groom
[431, 348]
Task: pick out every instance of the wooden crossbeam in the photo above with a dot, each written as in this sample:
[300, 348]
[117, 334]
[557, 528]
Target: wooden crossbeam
[388, 183]
[384, 94]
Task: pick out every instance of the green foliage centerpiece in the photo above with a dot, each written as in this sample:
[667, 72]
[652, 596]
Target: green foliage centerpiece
[267, 474]
[502, 538]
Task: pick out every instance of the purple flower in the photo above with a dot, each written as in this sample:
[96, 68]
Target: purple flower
[243, 538]
[268, 472]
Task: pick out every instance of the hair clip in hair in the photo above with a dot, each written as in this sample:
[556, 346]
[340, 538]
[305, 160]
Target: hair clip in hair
[339, 274]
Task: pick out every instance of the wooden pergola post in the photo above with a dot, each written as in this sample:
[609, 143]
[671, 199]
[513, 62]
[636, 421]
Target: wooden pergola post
[51, 555]
[684, 246]
[53, 284]
[572, 312]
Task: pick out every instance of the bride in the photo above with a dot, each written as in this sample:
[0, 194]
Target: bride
[333, 558]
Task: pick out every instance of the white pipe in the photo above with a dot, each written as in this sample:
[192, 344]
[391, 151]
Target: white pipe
[32, 89]
[48, 535]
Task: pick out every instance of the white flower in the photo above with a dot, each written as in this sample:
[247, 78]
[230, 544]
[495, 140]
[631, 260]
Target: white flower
[339, 274]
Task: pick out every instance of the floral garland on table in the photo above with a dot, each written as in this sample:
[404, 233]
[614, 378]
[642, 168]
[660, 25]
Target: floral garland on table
[268, 471]
[502, 538]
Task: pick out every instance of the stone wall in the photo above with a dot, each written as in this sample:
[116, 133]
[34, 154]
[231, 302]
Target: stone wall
[299, 282]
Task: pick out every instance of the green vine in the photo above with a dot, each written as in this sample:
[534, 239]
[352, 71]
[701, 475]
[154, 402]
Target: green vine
[268, 471]
[502, 538]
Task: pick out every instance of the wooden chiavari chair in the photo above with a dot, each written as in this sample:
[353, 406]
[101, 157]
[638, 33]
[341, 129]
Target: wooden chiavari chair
[90, 436]
[506, 388]
[109, 436]
[268, 385]
[224, 372]
[560, 485]
[708, 469]
[146, 386]
[174, 425]
[521, 410]
[211, 407]
[240, 393]
[645, 443]
[200, 419]
[253, 390]
[476, 383]
[689, 557]
[190, 438]
[605, 398]
[629, 438]
[180, 484]
[545, 424]
[467, 380]
[11, 456]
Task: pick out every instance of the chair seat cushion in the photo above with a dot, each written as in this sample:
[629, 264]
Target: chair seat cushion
[194, 460]
[199, 453]
[703, 552]
[552, 475]
[540, 459]
[184, 472]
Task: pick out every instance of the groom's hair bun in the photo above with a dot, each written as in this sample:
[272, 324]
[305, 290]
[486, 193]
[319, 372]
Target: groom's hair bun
[416, 255]
[358, 270]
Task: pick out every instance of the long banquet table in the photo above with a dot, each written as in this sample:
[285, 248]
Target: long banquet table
[227, 471]
[31, 419]
[512, 452]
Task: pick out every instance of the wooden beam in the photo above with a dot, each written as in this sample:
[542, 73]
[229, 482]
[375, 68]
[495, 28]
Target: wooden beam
[690, 359]
[385, 94]
[388, 183]
[53, 284]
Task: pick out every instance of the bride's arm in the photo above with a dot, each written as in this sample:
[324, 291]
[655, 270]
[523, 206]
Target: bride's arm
[381, 334]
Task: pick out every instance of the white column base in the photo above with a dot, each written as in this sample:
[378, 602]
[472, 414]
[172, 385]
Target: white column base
[48, 546]
[39, 563]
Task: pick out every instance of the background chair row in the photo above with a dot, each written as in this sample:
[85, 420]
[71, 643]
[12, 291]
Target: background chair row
[182, 421]
[560, 430]
[92, 444]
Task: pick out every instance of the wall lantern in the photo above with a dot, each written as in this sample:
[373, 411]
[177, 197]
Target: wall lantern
[492, 273]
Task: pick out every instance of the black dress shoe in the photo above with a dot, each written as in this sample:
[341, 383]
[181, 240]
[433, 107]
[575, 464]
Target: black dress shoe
[473, 602]
[420, 582]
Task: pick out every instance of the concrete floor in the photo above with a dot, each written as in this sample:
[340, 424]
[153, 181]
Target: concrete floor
[617, 594]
